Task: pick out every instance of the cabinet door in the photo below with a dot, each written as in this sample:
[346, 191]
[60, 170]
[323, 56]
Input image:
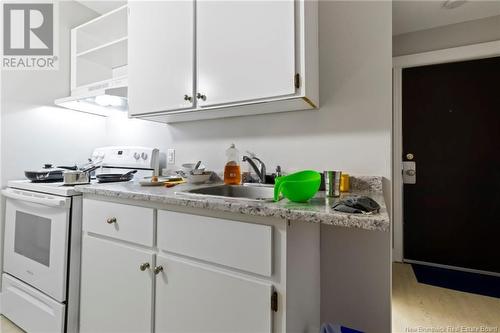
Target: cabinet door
[161, 55]
[245, 50]
[115, 294]
[195, 298]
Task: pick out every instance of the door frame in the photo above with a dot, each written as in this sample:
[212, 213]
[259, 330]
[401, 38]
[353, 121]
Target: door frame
[462, 53]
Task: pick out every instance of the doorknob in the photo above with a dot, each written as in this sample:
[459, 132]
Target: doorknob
[144, 266]
[188, 98]
[158, 270]
[409, 172]
[111, 220]
[202, 97]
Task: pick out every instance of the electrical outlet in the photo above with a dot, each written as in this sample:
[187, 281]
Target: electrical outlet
[170, 156]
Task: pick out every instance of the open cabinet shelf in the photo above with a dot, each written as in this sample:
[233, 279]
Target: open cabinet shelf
[99, 49]
[113, 54]
[99, 65]
[101, 31]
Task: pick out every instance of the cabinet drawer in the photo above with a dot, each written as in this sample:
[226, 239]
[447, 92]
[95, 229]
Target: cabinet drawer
[125, 222]
[240, 245]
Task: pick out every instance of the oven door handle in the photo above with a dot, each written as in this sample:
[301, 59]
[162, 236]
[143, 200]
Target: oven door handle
[41, 199]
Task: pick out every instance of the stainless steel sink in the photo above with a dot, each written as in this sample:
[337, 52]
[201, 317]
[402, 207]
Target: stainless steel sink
[242, 192]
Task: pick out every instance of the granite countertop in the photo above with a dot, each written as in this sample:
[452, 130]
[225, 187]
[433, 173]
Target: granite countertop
[317, 210]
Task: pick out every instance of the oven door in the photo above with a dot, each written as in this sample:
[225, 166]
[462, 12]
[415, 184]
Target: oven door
[36, 240]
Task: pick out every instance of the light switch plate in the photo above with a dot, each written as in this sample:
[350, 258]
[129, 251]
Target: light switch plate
[170, 156]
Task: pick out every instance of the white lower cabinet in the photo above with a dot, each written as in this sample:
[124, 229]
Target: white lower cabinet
[200, 275]
[115, 293]
[191, 297]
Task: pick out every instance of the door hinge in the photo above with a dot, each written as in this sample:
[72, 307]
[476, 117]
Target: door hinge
[274, 301]
[296, 80]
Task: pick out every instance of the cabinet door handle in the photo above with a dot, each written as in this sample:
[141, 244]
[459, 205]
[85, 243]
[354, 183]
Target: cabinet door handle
[202, 97]
[158, 270]
[144, 266]
[111, 220]
[188, 98]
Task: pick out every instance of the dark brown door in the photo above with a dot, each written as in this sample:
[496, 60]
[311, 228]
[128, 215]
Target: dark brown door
[451, 124]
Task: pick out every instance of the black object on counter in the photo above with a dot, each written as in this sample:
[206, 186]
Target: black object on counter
[357, 205]
[115, 177]
[48, 173]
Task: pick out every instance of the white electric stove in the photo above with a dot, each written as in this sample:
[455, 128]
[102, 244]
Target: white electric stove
[43, 223]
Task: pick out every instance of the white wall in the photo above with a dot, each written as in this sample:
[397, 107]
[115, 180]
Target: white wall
[34, 131]
[460, 34]
[135, 132]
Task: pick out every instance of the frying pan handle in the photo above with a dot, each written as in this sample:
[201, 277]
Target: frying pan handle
[73, 167]
[91, 168]
[126, 175]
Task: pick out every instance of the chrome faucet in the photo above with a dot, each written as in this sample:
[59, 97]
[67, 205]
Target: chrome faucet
[260, 171]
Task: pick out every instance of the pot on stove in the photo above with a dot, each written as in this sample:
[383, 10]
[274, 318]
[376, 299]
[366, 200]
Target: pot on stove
[48, 173]
[78, 177]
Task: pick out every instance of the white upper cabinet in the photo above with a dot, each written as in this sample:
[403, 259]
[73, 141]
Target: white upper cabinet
[161, 56]
[191, 60]
[245, 50]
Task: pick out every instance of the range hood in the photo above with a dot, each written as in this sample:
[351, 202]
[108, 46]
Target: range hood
[103, 98]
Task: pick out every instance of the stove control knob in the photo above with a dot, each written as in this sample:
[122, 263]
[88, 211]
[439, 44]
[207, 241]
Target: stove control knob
[144, 156]
[137, 156]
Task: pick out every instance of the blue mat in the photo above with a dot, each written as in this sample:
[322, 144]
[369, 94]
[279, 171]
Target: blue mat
[474, 283]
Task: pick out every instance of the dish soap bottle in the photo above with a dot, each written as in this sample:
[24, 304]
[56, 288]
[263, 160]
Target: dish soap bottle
[232, 172]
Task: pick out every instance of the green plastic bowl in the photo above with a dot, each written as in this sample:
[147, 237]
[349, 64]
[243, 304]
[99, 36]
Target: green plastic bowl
[297, 187]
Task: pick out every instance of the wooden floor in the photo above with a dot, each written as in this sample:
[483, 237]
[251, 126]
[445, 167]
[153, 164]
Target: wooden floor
[6, 326]
[417, 306]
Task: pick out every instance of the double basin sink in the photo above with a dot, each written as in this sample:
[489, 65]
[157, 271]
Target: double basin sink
[252, 192]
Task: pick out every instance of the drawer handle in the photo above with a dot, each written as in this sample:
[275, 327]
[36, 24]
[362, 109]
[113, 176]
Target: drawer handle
[144, 266]
[158, 270]
[111, 220]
